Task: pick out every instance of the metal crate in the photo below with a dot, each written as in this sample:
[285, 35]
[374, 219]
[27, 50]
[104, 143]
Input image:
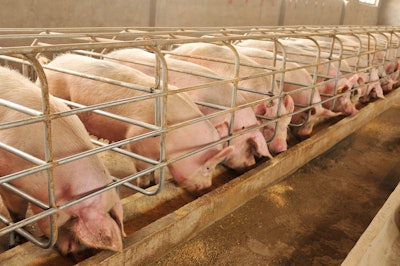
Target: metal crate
[24, 48]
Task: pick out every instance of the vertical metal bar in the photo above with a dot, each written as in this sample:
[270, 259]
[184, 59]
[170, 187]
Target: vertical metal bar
[315, 76]
[338, 70]
[277, 44]
[48, 148]
[235, 87]
[161, 107]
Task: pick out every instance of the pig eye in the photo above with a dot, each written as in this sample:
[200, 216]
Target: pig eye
[206, 171]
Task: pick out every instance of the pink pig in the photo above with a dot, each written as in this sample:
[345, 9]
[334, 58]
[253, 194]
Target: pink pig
[246, 146]
[294, 76]
[212, 53]
[92, 223]
[326, 86]
[193, 172]
[384, 62]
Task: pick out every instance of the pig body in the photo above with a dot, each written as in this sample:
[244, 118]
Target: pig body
[292, 80]
[297, 52]
[95, 222]
[355, 64]
[384, 61]
[276, 133]
[193, 172]
[246, 146]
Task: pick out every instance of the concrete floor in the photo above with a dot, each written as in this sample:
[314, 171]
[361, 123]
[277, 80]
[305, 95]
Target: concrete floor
[316, 215]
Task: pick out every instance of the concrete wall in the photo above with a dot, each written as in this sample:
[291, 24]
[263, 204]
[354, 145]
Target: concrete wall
[217, 12]
[100, 13]
[74, 13]
[312, 12]
[389, 13]
[357, 13]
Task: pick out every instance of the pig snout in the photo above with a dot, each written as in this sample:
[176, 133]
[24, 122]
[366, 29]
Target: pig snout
[278, 145]
[303, 132]
[200, 179]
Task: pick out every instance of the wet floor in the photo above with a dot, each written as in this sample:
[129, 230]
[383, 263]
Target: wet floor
[316, 215]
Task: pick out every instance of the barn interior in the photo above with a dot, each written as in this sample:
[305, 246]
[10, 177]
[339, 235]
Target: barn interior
[330, 196]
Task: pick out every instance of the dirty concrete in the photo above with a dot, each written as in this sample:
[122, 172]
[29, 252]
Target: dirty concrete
[316, 215]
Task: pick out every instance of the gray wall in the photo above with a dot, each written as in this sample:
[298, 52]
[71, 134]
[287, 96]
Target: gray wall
[312, 12]
[100, 13]
[389, 13]
[217, 12]
[357, 13]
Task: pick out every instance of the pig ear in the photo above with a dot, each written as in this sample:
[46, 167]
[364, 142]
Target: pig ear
[116, 214]
[222, 155]
[355, 80]
[258, 146]
[329, 113]
[342, 88]
[289, 103]
[223, 129]
[98, 230]
[362, 78]
[391, 67]
[260, 109]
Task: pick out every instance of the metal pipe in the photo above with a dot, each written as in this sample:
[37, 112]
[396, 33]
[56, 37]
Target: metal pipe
[88, 41]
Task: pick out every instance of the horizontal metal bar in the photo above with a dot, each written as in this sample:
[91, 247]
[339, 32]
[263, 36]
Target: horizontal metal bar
[88, 40]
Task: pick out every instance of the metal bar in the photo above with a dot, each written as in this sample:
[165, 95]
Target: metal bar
[370, 40]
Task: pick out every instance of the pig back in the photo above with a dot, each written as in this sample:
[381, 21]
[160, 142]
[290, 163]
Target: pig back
[68, 137]
[90, 92]
[12, 86]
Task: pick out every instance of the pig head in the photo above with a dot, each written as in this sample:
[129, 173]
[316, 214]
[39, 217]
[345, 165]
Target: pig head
[93, 223]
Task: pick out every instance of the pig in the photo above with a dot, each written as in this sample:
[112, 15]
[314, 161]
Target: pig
[214, 51]
[246, 146]
[297, 75]
[93, 223]
[193, 172]
[276, 133]
[391, 79]
[388, 69]
[377, 67]
[296, 51]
